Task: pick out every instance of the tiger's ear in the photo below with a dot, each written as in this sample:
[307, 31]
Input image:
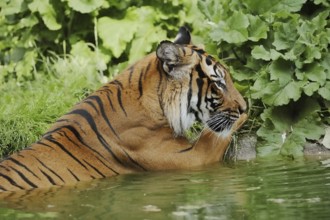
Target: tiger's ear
[173, 59]
[168, 52]
[183, 36]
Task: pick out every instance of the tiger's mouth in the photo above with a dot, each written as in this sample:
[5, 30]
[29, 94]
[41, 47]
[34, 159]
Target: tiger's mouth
[222, 121]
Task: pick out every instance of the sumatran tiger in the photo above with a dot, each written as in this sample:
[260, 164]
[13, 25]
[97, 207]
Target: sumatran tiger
[137, 122]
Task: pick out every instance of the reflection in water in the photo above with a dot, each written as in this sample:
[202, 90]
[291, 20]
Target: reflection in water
[244, 190]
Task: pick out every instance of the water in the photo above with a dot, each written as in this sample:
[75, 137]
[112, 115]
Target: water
[271, 189]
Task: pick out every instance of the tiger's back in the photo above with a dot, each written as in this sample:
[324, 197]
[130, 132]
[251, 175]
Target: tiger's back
[135, 122]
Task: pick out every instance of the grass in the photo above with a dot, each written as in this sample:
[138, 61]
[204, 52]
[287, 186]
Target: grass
[29, 108]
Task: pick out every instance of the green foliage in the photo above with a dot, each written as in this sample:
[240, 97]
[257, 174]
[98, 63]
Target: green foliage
[281, 49]
[28, 108]
[122, 31]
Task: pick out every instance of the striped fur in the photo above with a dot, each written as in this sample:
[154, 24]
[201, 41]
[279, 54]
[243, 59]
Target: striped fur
[136, 122]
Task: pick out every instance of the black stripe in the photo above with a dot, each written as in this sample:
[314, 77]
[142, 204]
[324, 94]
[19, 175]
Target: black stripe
[201, 73]
[119, 100]
[43, 144]
[189, 94]
[22, 165]
[73, 174]
[52, 171]
[159, 92]
[10, 180]
[200, 83]
[107, 166]
[48, 177]
[23, 177]
[68, 121]
[208, 61]
[140, 83]
[80, 139]
[92, 104]
[85, 114]
[131, 70]
[3, 189]
[96, 170]
[4, 167]
[101, 107]
[52, 140]
[107, 90]
[134, 161]
[187, 149]
[118, 83]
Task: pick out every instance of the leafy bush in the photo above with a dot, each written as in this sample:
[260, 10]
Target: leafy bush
[279, 51]
[120, 30]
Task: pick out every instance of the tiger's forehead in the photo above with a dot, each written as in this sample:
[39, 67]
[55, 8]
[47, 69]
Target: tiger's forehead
[215, 70]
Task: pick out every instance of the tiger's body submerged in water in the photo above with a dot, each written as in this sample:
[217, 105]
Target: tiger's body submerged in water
[136, 123]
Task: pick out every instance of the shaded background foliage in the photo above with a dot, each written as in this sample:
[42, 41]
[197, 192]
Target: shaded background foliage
[52, 53]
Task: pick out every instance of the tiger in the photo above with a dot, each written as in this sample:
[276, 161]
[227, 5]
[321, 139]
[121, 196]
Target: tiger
[137, 122]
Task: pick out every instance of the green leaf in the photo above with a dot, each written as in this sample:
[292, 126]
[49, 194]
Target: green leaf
[85, 6]
[263, 6]
[258, 28]
[115, 34]
[260, 53]
[310, 88]
[325, 91]
[282, 94]
[281, 70]
[315, 72]
[285, 34]
[47, 12]
[323, 2]
[144, 40]
[234, 30]
[286, 128]
[10, 7]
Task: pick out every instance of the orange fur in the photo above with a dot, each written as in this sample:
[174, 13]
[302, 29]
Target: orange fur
[130, 125]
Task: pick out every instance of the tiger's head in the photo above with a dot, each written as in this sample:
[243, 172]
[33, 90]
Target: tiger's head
[199, 88]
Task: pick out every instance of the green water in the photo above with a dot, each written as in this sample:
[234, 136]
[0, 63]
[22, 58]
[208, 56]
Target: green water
[279, 189]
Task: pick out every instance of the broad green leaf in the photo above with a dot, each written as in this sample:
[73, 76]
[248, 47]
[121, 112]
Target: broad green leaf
[285, 129]
[234, 30]
[115, 34]
[258, 28]
[47, 12]
[260, 53]
[323, 2]
[281, 70]
[10, 7]
[263, 6]
[85, 6]
[283, 94]
[144, 40]
[285, 35]
[315, 72]
[211, 9]
[310, 88]
[293, 145]
[325, 91]
[325, 63]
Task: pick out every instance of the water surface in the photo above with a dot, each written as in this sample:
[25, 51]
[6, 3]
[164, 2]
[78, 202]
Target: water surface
[269, 189]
